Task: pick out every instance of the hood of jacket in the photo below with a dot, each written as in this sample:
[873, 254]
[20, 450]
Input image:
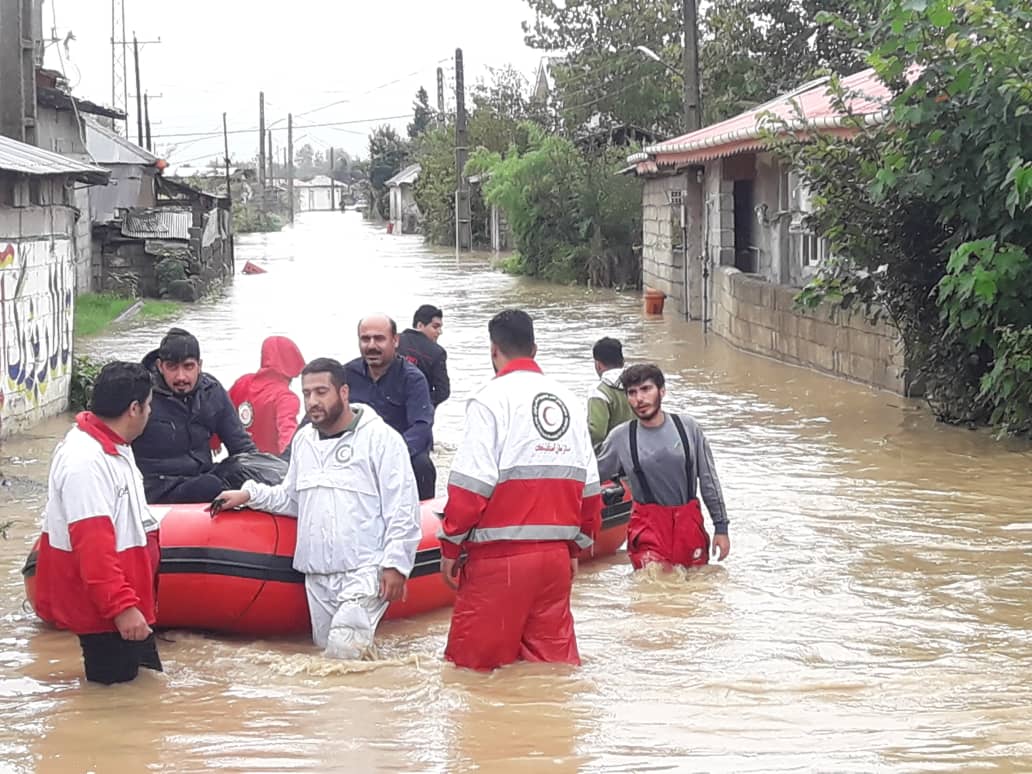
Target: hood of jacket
[281, 356]
[611, 378]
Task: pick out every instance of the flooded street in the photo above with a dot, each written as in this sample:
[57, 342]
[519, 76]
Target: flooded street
[875, 612]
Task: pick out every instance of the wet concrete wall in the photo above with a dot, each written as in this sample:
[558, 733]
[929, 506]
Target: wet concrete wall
[760, 317]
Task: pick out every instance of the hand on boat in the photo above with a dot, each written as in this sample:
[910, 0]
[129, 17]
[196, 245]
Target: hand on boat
[392, 585]
[132, 625]
[231, 498]
[721, 547]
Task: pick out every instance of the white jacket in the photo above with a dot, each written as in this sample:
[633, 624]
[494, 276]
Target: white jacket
[354, 497]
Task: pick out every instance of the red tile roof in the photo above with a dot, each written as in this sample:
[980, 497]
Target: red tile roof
[743, 133]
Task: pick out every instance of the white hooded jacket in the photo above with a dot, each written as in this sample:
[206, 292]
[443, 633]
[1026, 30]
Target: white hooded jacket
[354, 497]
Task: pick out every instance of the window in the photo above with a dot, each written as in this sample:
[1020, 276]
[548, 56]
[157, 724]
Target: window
[809, 249]
[678, 216]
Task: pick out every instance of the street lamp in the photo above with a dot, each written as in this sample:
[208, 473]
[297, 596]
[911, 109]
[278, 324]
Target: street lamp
[689, 74]
[656, 58]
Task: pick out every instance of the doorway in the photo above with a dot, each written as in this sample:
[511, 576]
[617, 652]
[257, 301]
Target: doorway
[745, 255]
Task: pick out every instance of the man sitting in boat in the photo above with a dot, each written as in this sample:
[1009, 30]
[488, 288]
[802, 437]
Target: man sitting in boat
[399, 393]
[266, 405]
[190, 406]
[353, 492]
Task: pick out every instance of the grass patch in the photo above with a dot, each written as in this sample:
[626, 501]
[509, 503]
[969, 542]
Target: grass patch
[94, 312]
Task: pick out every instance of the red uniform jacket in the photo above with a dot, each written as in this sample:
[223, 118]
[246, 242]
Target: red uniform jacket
[99, 554]
[265, 403]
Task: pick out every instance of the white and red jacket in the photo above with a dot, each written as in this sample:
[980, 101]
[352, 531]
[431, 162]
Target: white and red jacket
[98, 554]
[525, 472]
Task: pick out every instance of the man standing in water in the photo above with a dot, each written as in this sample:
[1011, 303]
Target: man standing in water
[607, 404]
[419, 346]
[350, 486]
[665, 457]
[523, 500]
[98, 556]
[398, 392]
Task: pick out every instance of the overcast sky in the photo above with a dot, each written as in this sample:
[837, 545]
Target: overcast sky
[216, 55]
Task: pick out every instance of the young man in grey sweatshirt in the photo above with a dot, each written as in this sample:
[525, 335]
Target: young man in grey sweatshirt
[667, 461]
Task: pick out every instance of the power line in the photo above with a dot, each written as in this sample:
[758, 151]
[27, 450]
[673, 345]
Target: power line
[282, 128]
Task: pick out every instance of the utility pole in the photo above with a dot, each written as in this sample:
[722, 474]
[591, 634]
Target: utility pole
[261, 140]
[463, 218]
[272, 162]
[146, 121]
[119, 81]
[17, 71]
[290, 163]
[333, 183]
[225, 146]
[139, 105]
[440, 95]
[692, 96]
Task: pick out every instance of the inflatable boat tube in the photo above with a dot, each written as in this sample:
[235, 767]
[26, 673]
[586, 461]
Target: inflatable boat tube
[235, 574]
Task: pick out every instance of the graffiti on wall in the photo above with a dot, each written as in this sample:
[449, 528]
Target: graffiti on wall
[36, 304]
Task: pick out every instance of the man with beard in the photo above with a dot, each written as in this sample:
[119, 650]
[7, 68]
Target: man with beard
[350, 486]
[398, 392]
[666, 459]
[189, 407]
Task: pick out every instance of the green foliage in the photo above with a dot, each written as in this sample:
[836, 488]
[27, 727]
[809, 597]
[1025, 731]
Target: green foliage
[422, 115]
[388, 154]
[250, 218]
[435, 188]
[85, 371]
[95, 311]
[928, 215]
[750, 51]
[167, 271]
[572, 219]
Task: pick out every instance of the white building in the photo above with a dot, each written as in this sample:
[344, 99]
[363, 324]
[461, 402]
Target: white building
[405, 214]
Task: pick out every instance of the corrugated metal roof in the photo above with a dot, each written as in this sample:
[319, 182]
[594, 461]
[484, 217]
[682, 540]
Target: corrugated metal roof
[106, 147]
[29, 160]
[407, 176]
[160, 223]
[809, 106]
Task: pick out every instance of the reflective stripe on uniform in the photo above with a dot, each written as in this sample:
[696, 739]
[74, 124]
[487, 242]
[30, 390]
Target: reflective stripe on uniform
[470, 484]
[592, 489]
[456, 539]
[533, 472]
[529, 532]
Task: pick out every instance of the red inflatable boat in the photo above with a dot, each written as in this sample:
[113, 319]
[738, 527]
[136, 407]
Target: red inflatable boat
[235, 573]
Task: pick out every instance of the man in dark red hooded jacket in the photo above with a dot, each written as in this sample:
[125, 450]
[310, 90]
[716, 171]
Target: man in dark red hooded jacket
[265, 403]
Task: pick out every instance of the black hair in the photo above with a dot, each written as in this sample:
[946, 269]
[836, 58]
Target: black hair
[327, 365]
[512, 331]
[609, 352]
[179, 345]
[394, 325]
[426, 314]
[118, 386]
[639, 374]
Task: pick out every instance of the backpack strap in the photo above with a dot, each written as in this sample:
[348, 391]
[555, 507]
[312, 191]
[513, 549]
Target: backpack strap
[687, 455]
[639, 474]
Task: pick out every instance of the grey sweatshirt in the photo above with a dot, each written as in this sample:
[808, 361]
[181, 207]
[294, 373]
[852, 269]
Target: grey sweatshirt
[662, 461]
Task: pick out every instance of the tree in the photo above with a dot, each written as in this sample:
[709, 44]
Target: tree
[387, 155]
[754, 50]
[929, 215]
[303, 158]
[422, 115]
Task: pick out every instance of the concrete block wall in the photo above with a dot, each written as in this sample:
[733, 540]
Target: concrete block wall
[760, 317]
[663, 267]
[37, 274]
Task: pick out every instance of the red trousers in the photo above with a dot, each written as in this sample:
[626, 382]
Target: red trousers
[667, 534]
[512, 608]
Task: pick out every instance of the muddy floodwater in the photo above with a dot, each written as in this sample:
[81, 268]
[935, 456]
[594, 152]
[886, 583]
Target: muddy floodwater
[875, 613]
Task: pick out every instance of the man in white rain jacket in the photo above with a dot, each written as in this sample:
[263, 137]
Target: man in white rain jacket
[352, 489]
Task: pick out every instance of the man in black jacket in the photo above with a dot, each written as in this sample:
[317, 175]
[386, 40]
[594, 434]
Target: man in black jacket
[189, 407]
[420, 347]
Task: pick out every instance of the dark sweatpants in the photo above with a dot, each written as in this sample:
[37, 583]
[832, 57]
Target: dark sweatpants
[426, 476]
[110, 659]
[168, 490]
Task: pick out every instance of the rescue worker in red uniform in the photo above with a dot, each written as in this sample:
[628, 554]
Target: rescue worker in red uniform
[523, 500]
[665, 458]
[266, 405]
[99, 553]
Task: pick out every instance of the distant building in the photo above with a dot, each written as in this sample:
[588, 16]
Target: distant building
[38, 247]
[133, 173]
[318, 194]
[404, 212]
